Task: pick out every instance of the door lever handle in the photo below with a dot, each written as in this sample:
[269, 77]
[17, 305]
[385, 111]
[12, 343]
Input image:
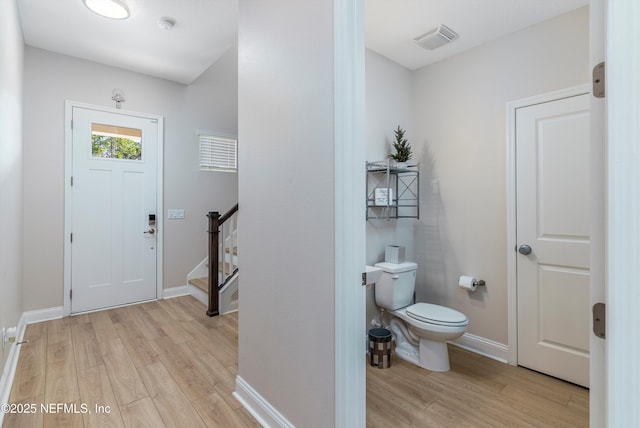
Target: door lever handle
[150, 231]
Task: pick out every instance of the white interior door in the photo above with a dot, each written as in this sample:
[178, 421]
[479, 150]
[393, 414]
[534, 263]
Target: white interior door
[113, 209]
[553, 227]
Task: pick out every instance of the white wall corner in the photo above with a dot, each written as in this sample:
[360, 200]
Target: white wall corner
[260, 409]
[485, 347]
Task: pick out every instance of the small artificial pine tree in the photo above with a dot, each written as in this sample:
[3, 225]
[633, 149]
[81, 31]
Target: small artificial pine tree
[402, 146]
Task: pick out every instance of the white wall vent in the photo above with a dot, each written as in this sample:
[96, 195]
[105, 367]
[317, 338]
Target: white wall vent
[435, 38]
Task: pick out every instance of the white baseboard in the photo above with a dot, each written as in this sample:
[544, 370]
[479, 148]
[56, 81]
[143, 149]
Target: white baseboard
[182, 290]
[9, 369]
[486, 347]
[40, 315]
[260, 409]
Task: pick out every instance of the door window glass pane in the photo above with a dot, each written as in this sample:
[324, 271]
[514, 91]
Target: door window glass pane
[116, 142]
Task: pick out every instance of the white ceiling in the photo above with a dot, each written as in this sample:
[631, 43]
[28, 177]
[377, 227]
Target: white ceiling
[206, 29]
[391, 26]
[203, 31]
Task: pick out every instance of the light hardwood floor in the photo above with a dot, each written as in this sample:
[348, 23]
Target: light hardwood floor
[158, 364]
[166, 364]
[477, 392]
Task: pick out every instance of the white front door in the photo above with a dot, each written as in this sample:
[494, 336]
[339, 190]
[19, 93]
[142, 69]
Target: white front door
[113, 209]
[552, 173]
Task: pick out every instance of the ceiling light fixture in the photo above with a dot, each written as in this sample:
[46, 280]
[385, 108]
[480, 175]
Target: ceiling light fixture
[114, 9]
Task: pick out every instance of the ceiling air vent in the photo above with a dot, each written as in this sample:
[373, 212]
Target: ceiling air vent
[435, 38]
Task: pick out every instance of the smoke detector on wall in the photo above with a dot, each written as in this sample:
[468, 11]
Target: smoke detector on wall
[435, 38]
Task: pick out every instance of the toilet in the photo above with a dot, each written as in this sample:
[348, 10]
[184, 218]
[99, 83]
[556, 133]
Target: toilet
[421, 330]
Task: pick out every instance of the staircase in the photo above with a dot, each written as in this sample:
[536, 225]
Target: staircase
[216, 284]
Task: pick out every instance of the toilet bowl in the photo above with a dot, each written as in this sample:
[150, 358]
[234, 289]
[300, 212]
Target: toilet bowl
[434, 325]
[421, 330]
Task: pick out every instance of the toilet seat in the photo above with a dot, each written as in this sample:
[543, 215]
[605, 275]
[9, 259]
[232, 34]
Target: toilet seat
[436, 314]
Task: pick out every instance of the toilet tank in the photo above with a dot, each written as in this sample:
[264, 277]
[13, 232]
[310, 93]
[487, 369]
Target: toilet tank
[394, 289]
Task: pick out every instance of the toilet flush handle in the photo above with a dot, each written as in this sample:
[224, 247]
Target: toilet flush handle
[395, 276]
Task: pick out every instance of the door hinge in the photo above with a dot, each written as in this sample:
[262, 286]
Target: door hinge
[599, 320]
[71, 123]
[72, 181]
[71, 237]
[71, 294]
[598, 81]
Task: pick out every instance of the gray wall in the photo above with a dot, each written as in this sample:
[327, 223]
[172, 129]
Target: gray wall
[286, 197]
[11, 101]
[388, 105]
[210, 103]
[460, 124]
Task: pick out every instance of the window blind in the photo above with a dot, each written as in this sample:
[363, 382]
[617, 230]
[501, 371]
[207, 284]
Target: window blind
[218, 153]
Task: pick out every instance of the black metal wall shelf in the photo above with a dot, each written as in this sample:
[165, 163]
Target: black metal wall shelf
[403, 199]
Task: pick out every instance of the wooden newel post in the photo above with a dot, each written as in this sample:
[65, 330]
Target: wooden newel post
[214, 232]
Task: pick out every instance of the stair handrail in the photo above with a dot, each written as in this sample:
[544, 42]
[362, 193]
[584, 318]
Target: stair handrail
[215, 221]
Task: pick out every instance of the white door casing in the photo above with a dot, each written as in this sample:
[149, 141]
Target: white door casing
[111, 261]
[553, 205]
[350, 228]
[597, 375]
[622, 103]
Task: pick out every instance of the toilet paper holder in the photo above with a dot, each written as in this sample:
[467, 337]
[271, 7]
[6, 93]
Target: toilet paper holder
[470, 283]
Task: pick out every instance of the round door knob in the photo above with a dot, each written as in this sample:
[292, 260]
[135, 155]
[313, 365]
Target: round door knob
[525, 249]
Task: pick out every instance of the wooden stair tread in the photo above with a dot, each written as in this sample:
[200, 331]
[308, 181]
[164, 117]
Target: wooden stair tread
[201, 283]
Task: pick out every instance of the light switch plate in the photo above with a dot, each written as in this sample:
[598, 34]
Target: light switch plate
[175, 214]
